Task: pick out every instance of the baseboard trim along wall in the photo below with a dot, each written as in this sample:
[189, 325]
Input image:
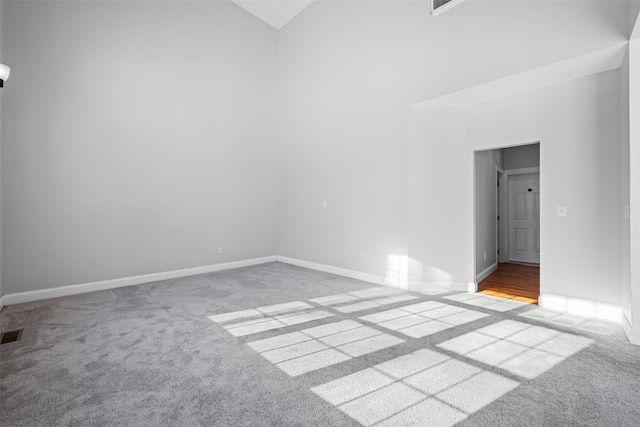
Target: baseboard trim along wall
[558, 303]
[486, 272]
[581, 307]
[63, 291]
[413, 286]
[430, 287]
[632, 336]
[365, 277]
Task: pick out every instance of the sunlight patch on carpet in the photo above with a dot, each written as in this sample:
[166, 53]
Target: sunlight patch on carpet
[423, 319]
[408, 390]
[522, 349]
[363, 300]
[586, 324]
[311, 349]
[487, 301]
[247, 322]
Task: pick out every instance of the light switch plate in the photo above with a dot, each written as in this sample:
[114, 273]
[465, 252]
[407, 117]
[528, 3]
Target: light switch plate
[562, 211]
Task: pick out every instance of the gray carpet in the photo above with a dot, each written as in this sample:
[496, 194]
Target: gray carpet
[160, 354]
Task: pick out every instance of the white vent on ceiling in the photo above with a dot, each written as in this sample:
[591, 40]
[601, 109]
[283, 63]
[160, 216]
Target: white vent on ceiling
[439, 6]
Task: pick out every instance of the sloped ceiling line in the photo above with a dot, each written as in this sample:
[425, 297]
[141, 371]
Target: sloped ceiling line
[276, 13]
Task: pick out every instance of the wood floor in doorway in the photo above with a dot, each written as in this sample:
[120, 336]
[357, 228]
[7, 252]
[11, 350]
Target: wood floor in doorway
[513, 281]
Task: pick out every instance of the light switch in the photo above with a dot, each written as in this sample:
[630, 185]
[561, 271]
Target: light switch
[562, 211]
[626, 211]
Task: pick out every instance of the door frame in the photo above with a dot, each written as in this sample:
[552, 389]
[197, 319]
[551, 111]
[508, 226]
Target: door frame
[499, 209]
[505, 245]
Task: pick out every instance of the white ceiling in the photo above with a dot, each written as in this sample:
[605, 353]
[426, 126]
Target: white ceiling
[274, 12]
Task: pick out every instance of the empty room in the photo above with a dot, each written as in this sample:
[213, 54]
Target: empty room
[319, 212]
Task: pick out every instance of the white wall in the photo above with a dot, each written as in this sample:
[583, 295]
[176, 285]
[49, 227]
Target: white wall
[168, 152]
[577, 126]
[434, 202]
[138, 138]
[349, 70]
[578, 129]
[634, 187]
[634, 10]
[625, 248]
[523, 156]
[486, 210]
[1, 132]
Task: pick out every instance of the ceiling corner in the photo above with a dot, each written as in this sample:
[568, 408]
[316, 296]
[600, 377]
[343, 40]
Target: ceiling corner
[276, 13]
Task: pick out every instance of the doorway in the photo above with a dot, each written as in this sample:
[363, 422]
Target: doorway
[507, 222]
[524, 218]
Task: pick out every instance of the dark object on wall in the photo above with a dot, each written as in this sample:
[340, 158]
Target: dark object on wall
[4, 74]
[439, 6]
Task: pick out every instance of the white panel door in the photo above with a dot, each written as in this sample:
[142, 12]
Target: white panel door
[524, 218]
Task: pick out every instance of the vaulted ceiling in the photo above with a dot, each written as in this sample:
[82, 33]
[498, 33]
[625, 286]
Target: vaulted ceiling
[274, 12]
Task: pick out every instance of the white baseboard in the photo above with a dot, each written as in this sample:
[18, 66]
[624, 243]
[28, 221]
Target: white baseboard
[428, 287]
[472, 287]
[413, 286]
[632, 335]
[1, 302]
[486, 272]
[365, 277]
[581, 307]
[62, 291]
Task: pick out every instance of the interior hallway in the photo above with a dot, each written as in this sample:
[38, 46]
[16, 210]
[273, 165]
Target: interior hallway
[513, 281]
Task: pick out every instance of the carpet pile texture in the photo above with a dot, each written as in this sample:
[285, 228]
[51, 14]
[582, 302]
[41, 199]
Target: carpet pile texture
[280, 345]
